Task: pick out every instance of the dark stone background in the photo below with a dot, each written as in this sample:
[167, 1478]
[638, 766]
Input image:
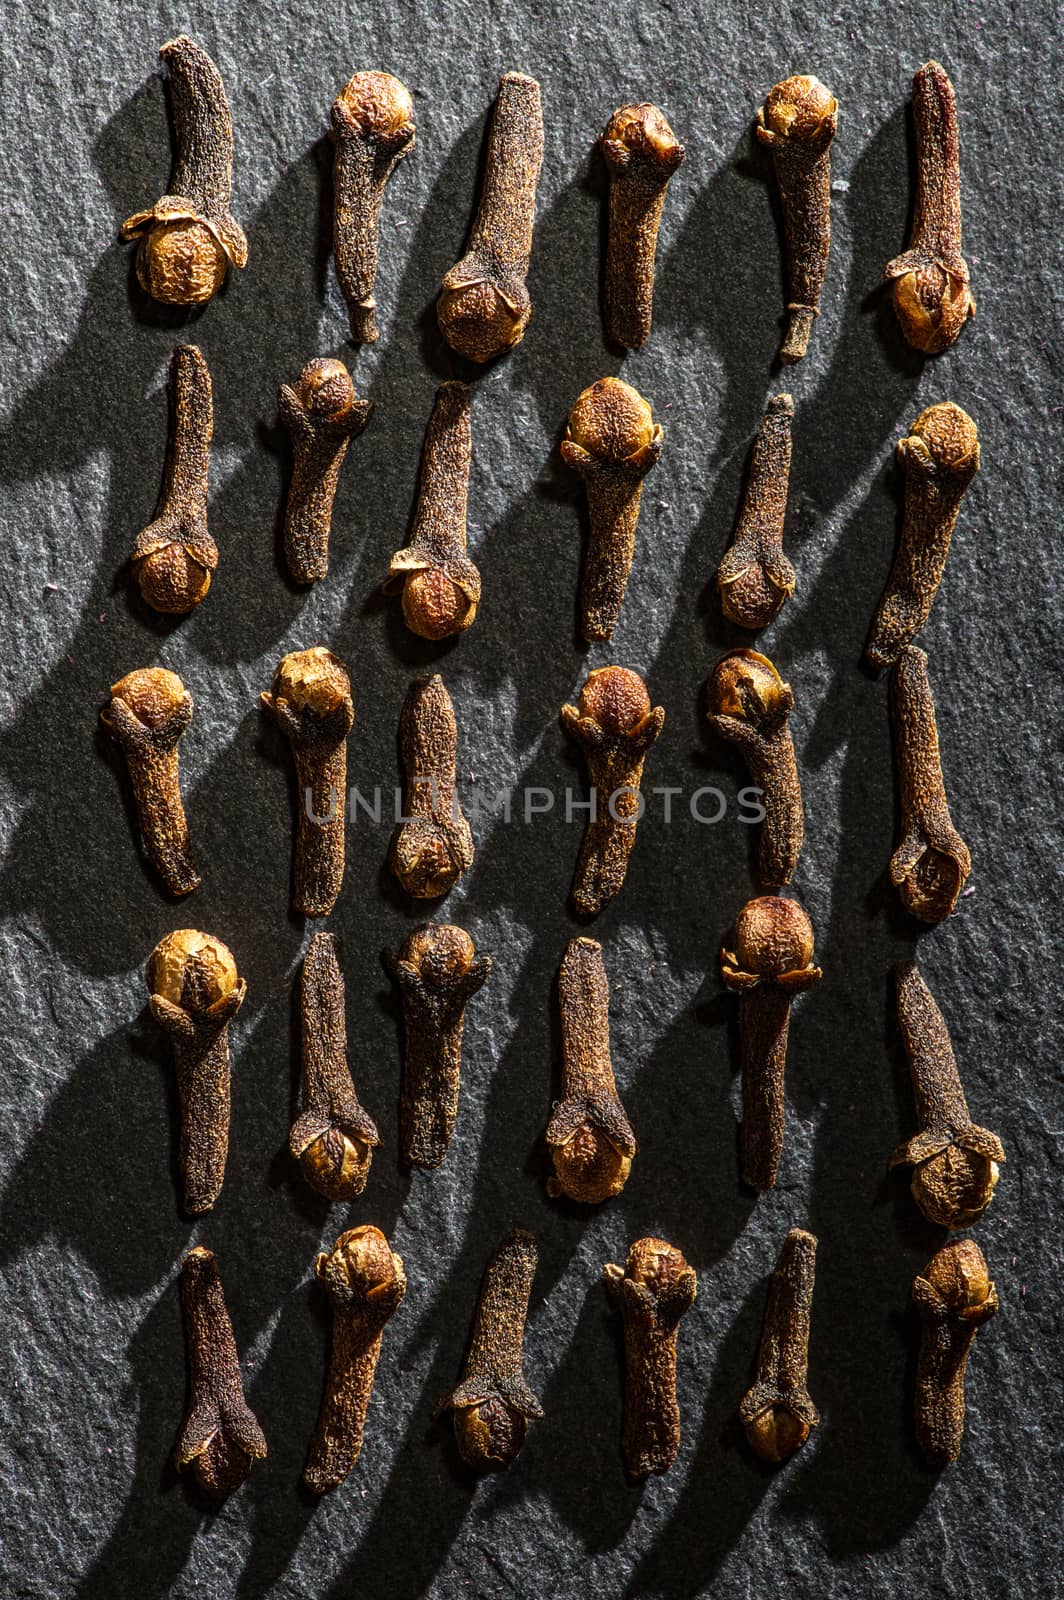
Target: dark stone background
[91, 1365]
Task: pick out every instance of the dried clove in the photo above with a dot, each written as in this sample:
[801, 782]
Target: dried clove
[366, 1284]
[311, 701]
[615, 725]
[778, 1413]
[652, 1292]
[148, 712]
[438, 971]
[484, 306]
[493, 1403]
[939, 459]
[798, 122]
[749, 704]
[189, 238]
[755, 577]
[433, 845]
[220, 1437]
[195, 994]
[955, 1164]
[322, 416]
[930, 280]
[613, 441]
[590, 1138]
[439, 584]
[954, 1297]
[931, 864]
[772, 962]
[174, 556]
[333, 1138]
[372, 129]
[641, 153]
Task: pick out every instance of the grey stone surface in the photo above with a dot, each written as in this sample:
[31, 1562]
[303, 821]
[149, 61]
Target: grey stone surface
[91, 1356]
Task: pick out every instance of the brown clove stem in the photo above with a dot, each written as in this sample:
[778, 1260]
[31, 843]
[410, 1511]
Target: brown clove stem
[149, 711]
[798, 122]
[366, 1285]
[652, 1292]
[438, 971]
[220, 1437]
[322, 416]
[777, 1412]
[493, 1403]
[439, 584]
[589, 1136]
[484, 305]
[641, 153]
[755, 577]
[372, 129]
[613, 441]
[931, 864]
[334, 1137]
[433, 845]
[174, 556]
[749, 705]
[954, 1297]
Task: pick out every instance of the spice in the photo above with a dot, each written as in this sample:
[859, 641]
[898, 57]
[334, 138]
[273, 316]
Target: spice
[749, 705]
[195, 994]
[333, 1138]
[439, 584]
[939, 460]
[438, 971]
[311, 702]
[433, 845]
[778, 1413]
[755, 577]
[590, 1138]
[931, 864]
[189, 237]
[322, 416]
[484, 307]
[493, 1402]
[220, 1438]
[366, 1284]
[955, 1164]
[148, 712]
[174, 556]
[954, 1296]
[930, 280]
[641, 153]
[372, 129]
[772, 962]
[798, 122]
[652, 1292]
[615, 725]
[613, 441]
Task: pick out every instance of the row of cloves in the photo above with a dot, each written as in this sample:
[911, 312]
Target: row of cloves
[188, 239]
[220, 1438]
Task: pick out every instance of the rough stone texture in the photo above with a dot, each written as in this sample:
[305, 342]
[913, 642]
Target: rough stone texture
[91, 1362]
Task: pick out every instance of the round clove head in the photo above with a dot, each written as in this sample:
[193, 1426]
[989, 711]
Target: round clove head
[932, 305]
[312, 680]
[171, 579]
[379, 105]
[489, 1434]
[181, 262]
[589, 1167]
[776, 1433]
[423, 860]
[440, 951]
[743, 676]
[640, 134]
[152, 694]
[773, 936]
[335, 1164]
[325, 388]
[361, 1261]
[945, 438]
[479, 321]
[611, 421]
[434, 607]
[959, 1274]
[954, 1187]
[616, 698]
[192, 970]
[655, 1263]
[798, 108]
